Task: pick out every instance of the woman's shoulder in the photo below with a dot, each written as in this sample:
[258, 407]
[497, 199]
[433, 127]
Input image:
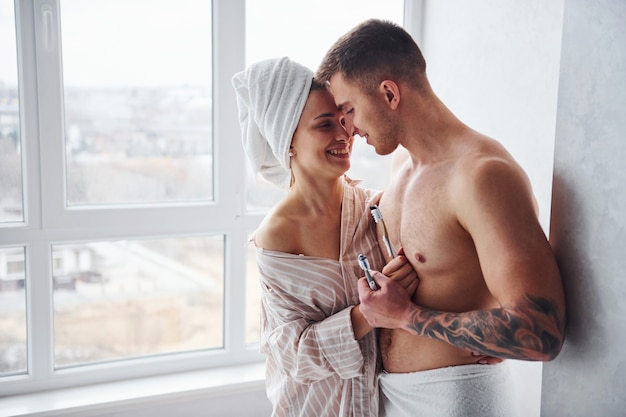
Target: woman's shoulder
[277, 231]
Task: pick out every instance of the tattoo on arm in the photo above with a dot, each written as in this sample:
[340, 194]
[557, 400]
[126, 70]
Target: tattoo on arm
[534, 332]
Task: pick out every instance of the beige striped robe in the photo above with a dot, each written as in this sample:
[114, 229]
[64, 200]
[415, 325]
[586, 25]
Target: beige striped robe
[315, 367]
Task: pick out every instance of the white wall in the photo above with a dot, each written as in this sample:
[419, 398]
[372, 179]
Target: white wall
[495, 63]
[589, 213]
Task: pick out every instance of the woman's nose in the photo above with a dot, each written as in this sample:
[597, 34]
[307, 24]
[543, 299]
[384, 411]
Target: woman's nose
[342, 135]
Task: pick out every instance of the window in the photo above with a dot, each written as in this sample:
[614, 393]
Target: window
[143, 297]
[12, 312]
[125, 206]
[11, 187]
[138, 110]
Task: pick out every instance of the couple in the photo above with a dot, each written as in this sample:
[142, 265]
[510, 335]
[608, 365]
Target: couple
[475, 280]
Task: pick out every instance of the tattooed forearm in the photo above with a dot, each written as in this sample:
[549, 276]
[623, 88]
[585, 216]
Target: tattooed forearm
[534, 332]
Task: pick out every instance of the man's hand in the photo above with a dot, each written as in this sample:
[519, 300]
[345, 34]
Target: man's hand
[388, 306]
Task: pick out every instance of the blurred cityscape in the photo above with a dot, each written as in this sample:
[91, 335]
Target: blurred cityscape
[129, 145]
[120, 299]
[10, 151]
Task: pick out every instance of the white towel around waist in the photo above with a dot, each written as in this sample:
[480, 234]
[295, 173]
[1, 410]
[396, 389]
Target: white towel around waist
[455, 391]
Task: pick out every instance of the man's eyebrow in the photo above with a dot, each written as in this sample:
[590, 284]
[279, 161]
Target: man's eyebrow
[341, 106]
[323, 115]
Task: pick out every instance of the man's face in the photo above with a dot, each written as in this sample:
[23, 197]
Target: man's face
[365, 115]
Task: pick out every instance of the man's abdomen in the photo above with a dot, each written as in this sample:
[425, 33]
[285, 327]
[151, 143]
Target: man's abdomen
[405, 352]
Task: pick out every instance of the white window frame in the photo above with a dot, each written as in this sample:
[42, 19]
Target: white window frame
[47, 221]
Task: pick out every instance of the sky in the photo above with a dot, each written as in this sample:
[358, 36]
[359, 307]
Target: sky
[293, 28]
[8, 60]
[149, 42]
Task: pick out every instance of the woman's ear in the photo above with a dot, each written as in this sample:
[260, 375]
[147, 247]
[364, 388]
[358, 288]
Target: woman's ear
[391, 93]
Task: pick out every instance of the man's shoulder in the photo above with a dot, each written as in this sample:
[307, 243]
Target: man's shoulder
[489, 176]
[483, 156]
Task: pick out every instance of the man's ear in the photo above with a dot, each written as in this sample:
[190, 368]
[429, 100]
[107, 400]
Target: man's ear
[391, 92]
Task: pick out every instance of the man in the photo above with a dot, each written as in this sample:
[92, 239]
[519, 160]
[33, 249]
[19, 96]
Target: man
[464, 213]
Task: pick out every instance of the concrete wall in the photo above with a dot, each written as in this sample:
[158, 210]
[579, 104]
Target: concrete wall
[588, 227]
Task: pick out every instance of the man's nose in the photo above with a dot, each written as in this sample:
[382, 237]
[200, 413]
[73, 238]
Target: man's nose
[348, 125]
[342, 134]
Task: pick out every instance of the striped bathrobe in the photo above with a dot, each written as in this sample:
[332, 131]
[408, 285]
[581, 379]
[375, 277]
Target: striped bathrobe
[315, 367]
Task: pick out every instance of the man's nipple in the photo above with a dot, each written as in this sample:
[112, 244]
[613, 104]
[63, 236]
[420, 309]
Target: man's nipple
[420, 258]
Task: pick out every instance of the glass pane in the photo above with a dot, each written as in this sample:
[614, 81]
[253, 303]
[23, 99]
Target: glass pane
[13, 348]
[122, 299]
[265, 38]
[253, 297]
[138, 103]
[260, 194]
[11, 192]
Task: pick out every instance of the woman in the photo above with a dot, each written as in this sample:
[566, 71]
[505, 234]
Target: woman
[321, 353]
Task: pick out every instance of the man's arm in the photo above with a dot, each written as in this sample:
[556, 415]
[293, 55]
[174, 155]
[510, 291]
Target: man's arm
[533, 332]
[495, 206]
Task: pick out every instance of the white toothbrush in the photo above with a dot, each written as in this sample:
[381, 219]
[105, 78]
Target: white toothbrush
[378, 218]
[365, 266]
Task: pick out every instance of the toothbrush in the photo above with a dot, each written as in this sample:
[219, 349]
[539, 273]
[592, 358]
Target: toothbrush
[378, 218]
[365, 266]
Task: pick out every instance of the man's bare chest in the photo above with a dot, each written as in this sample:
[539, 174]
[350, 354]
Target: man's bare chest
[415, 206]
[420, 219]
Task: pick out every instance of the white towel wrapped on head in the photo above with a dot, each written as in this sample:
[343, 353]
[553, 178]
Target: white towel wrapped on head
[270, 96]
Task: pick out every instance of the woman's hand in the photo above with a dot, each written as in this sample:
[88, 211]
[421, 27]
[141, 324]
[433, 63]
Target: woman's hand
[401, 271]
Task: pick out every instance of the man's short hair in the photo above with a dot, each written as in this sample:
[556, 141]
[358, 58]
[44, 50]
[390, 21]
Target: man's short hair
[374, 51]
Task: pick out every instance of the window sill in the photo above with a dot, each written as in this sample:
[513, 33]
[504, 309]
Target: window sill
[108, 396]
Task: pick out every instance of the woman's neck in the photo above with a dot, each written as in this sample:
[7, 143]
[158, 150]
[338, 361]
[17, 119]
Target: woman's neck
[317, 197]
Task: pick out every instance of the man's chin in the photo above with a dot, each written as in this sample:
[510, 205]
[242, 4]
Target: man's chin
[383, 150]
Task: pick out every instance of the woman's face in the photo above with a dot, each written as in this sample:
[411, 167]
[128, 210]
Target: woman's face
[320, 144]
